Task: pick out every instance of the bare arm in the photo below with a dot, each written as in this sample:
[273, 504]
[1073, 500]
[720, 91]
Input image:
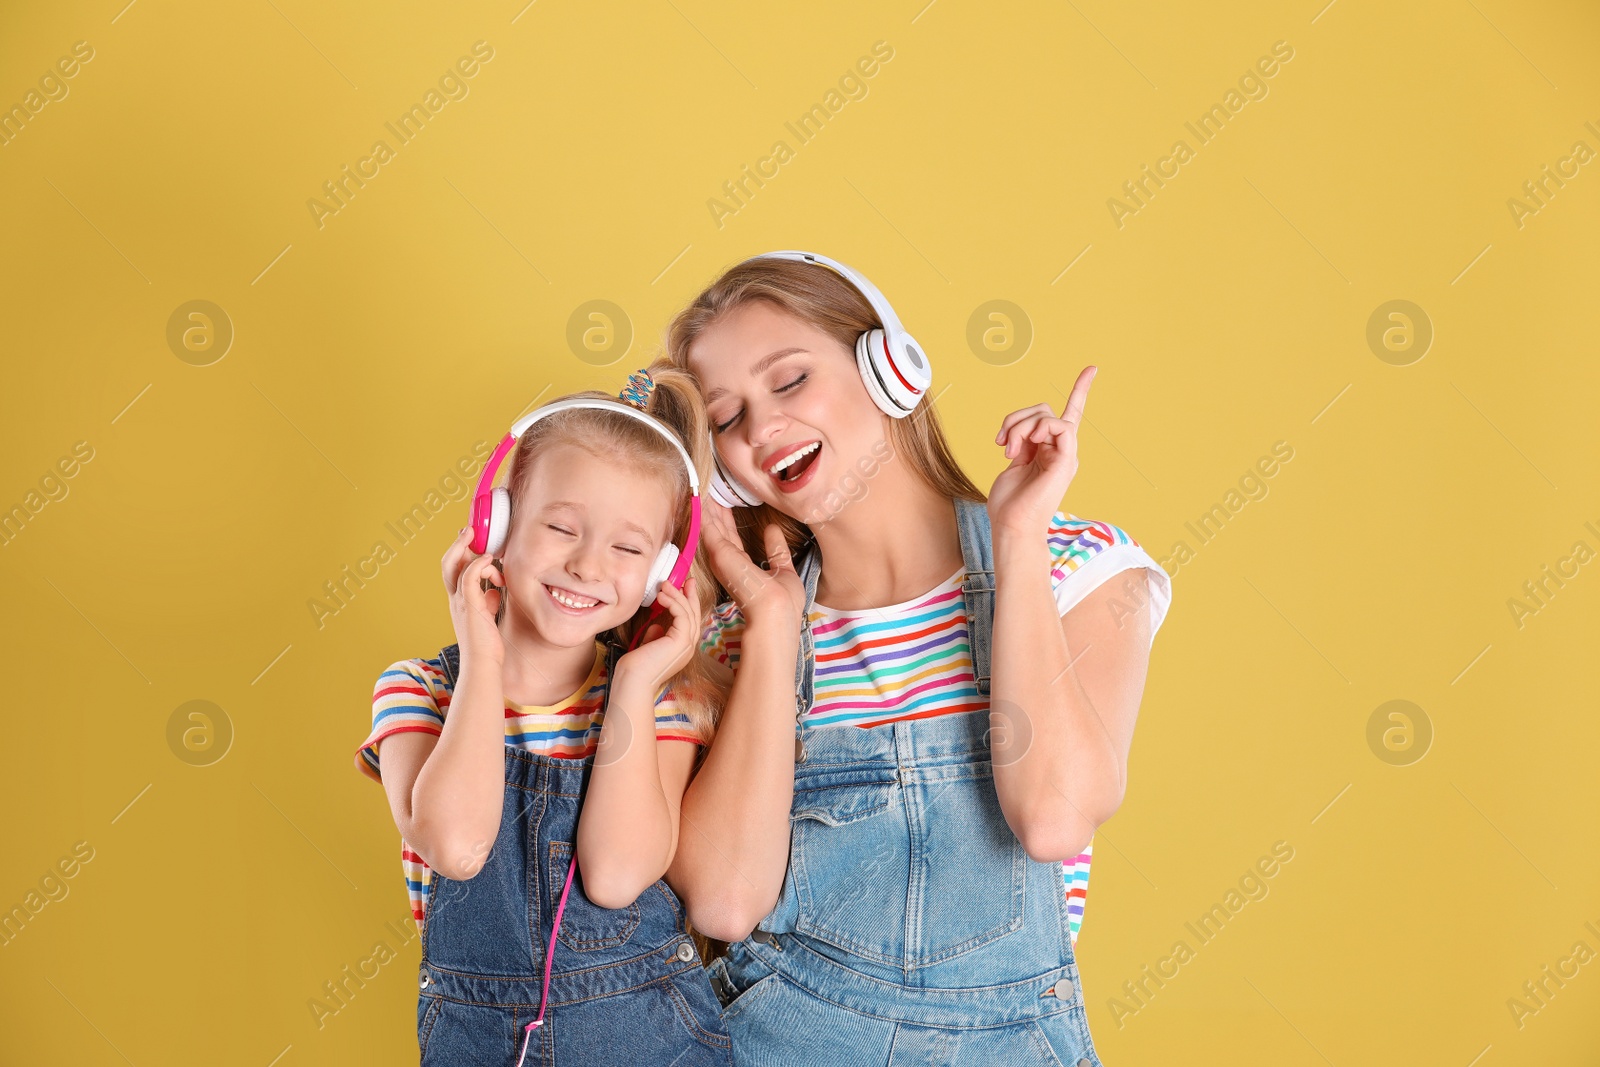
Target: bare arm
[628, 829]
[1064, 698]
[446, 792]
[734, 848]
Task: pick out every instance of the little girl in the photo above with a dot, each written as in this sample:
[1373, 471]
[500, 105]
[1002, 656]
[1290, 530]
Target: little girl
[526, 750]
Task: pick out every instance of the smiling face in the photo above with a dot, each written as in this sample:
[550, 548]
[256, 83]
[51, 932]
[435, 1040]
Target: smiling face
[584, 532]
[789, 413]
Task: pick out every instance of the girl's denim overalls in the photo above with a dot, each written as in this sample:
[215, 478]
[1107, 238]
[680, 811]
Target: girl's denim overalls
[627, 986]
[912, 928]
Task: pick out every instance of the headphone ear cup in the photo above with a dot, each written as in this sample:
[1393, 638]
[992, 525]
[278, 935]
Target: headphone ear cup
[869, 359]
[894, 369]
[726, 489]
[499, 521]
[660, 571]
[721, 493]
[482, 508]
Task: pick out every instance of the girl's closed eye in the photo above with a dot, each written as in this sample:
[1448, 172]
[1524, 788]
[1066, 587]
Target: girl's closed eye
[801, 380]
[630, 549]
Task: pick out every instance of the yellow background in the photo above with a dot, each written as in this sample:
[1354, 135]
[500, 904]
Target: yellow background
[1229, 313]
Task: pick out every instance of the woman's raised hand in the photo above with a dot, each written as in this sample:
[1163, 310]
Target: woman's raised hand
[1043, 449]
[775, 593]
[471, 582]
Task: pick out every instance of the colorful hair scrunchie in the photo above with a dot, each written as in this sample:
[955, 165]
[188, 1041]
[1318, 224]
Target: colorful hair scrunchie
[637, 391]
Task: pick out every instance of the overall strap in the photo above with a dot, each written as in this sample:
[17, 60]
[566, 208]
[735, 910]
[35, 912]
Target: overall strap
[805, 668]
[613, 653]
[977, 552]
[450, 660]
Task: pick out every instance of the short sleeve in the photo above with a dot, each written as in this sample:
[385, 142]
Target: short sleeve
[1075, 882]
[1085, 553]
[723, 634]
[672, 724]
[406, 697]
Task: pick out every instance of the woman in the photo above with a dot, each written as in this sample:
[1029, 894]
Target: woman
[921, 730]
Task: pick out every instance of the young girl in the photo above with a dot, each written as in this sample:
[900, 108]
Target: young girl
[934, 696]
[531, 743]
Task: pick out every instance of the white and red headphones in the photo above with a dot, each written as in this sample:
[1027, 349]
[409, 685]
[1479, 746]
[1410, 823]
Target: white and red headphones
[893, 367]
[491, 507]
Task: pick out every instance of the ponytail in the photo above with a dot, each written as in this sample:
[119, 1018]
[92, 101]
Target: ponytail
[700, 690]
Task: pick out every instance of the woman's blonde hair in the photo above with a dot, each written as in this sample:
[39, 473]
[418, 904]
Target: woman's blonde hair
[821, 298]
[675, 401]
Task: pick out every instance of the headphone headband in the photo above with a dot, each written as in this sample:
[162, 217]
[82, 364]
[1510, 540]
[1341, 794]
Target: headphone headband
[880, 303]
[520, 427]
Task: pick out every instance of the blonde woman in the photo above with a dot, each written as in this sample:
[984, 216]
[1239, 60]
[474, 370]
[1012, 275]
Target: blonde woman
[933, 693]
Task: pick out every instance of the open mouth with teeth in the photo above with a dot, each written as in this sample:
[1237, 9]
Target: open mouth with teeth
[570, 602]
[793, 465]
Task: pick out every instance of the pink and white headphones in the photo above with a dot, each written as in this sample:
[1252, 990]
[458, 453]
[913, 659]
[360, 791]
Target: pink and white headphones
[491, 519]
[491, 507]
[892, 365]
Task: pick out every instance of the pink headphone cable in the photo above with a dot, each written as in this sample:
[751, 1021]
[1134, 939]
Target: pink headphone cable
[545, 992]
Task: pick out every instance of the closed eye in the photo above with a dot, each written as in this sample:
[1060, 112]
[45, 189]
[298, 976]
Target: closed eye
[801, 380]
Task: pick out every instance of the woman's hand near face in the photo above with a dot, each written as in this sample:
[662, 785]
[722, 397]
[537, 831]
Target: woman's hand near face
[775, 594]
[1043, 449]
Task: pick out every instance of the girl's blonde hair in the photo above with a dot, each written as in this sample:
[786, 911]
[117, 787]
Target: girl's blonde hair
[675, 401]
[821, 298]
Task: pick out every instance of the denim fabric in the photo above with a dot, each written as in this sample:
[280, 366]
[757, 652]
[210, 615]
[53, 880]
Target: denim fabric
[912, 928]
[626, 988]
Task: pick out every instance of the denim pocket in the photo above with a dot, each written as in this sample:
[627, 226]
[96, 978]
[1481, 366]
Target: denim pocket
[971, 873]
[697, 1008]
[751, 995]
[428, 1008]
[739, 979]
[907, 874]
[585, 926]
[849, 861]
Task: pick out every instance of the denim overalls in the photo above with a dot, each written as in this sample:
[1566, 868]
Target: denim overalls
[627, 986]
[912, 928]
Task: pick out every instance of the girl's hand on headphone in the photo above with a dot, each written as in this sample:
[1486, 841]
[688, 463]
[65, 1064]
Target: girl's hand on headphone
[472, 606]
[1043, 450]
[663, 651]
[775, 592]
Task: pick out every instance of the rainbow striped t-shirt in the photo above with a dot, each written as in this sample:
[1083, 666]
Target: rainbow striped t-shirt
[912, 660]
[413, 694]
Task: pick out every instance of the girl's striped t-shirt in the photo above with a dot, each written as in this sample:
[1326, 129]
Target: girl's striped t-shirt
[413, 694]
[913, 660]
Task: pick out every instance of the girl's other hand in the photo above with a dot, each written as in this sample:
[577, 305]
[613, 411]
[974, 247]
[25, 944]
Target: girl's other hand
[664, 651]
[774, 593]
[472, 606]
